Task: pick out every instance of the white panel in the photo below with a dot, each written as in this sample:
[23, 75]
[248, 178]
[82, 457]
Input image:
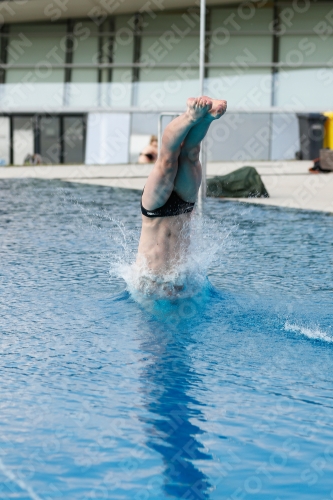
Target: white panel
[23, 144]
[138, 142]
[305, 88]
[285, 136]
[239, 137]
[246, 88]
[166, 88]
[85, 95]
[31, 95]
[108, 136]
[4, 140]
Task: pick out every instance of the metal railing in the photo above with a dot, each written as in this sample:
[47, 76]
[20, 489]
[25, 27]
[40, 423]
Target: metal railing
[159, 126]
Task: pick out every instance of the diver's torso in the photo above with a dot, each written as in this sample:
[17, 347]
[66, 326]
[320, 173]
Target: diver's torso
[164, 241]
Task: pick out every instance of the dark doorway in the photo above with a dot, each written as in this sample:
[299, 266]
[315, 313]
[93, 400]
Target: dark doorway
[73, 139]
[49, 139]
[56, 138]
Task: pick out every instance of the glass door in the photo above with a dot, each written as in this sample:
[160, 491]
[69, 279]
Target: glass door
[73, 139]
[23, 140]
[49, 139]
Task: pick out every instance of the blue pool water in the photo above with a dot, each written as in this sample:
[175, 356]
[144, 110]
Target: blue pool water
[226, 397]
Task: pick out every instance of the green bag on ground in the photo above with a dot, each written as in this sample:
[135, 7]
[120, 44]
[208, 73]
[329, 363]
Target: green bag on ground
[244, 182]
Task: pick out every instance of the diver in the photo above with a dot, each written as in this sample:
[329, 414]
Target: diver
[170, 193]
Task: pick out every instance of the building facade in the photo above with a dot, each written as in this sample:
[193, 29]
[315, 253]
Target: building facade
[88, 86]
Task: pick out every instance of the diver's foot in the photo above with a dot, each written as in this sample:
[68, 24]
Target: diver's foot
[198, 107]
[219, 107]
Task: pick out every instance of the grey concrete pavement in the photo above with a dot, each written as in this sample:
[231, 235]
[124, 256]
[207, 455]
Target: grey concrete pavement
[289, 183]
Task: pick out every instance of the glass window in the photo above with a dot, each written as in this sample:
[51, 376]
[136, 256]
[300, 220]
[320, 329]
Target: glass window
[31, 95]
[40, 46]
[296, 50]
[244, 88]
[167, 87]
[241, 49]
[82, 94]
[85, 51]
[23, 139]
[245, 17]
[40, 75]
[123, 41]
[181, 24]
[117, 47]
[169, 74]
[305, 88]
[122, 75]
[304, 16]
[84, 75]
[159, 50]
[73, 139]
[50, 139]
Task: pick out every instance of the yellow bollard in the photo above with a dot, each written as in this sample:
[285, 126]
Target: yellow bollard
[328, 139]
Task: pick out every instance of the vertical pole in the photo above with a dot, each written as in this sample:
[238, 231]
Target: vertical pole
[274, 71]
[202, 190]
[202, 46]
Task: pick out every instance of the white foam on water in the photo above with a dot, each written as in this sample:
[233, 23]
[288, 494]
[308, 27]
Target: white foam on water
[205, 242]
[311, 333]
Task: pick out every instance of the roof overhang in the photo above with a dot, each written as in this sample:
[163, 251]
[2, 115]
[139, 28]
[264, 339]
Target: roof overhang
[52, 10]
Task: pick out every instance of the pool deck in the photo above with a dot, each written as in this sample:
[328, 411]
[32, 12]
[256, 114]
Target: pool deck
[289, 183]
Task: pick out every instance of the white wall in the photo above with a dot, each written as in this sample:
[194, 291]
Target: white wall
[108, 136]
[4, 140]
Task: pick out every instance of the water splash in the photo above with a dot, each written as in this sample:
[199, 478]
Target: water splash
[205, 243]
[177, 294]
[312, 333]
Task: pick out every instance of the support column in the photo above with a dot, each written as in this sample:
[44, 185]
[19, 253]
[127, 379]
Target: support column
[68, 58]
[136, 56]
[4, 32]
[112, 28]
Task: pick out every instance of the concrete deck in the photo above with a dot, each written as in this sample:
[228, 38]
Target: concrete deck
[289, 183]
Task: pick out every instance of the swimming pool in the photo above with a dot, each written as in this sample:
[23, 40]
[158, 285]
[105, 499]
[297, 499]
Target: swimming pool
[231, 398]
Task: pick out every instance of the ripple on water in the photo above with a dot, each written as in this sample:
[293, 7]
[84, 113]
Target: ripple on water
[220, 395]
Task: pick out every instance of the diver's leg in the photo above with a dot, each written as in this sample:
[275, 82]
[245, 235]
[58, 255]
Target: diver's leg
[188, 178]
[161, 180]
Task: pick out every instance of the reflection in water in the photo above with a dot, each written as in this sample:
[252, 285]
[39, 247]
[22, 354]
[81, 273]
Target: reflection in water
[168, 380]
